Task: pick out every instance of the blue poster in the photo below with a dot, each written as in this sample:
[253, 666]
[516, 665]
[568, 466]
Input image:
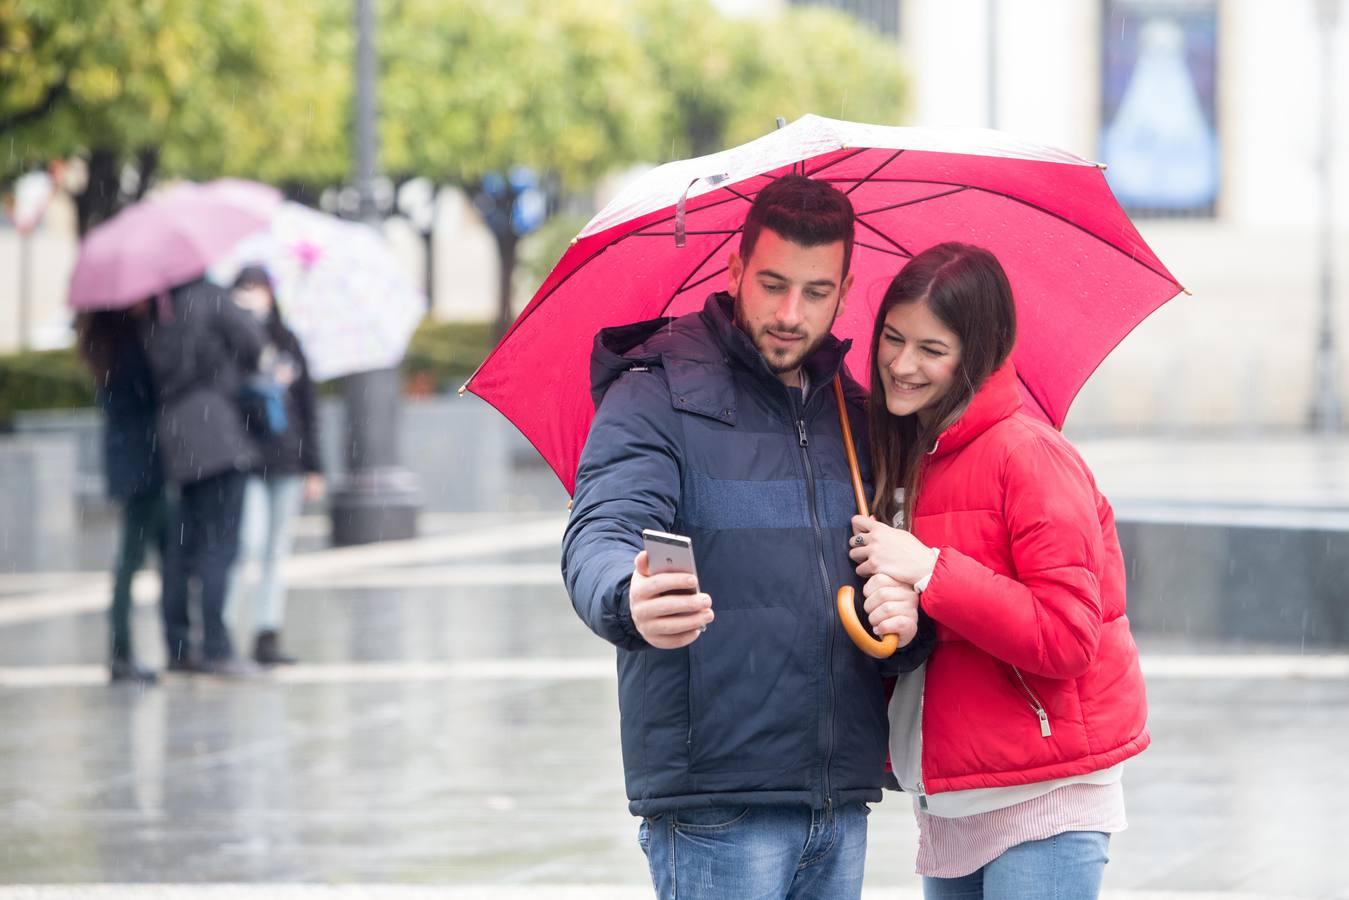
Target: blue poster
[1159, 137]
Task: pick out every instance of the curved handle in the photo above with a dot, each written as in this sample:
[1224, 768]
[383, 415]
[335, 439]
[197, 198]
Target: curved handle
[847, 612]
[847, 609]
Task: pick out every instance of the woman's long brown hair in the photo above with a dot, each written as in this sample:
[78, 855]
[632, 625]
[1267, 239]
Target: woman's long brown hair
[967, 290]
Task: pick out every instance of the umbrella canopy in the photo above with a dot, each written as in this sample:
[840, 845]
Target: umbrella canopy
[1082, 276]
[339, 286]
[166, 240]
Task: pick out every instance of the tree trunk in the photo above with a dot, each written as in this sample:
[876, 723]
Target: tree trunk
[102, 193]
[506, 243]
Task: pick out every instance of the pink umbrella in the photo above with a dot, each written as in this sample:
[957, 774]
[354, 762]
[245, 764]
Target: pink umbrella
[168, 239]
[1082, 275]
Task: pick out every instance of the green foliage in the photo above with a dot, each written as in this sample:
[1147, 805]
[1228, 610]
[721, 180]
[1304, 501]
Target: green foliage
[55, 379]
[727, 81]
[446, 353]
[249, 87]
[469, 87]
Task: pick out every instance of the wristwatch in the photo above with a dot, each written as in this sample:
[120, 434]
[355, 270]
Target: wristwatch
[921, 584]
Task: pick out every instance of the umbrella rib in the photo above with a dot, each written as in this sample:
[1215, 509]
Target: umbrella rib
[870, 176]
[671, 217]
[912, 202]
[883, 250]
[746, 198]
[885, 237]
[670, 233]
[686, 285]
[834, 162]
[1069, 222]
[689, 287]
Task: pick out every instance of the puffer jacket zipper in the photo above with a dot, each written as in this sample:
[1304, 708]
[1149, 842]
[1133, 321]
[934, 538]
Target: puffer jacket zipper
[1036, 706]
[803, 440]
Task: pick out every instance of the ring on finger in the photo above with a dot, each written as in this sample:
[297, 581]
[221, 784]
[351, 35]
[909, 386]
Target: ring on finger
[858, 541]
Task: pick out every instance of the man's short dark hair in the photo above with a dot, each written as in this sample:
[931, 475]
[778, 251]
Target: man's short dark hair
[802, 210]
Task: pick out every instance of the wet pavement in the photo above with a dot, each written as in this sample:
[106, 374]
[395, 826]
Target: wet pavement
[454, 724]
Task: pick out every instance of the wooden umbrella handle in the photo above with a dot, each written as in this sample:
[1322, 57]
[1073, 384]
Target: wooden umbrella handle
[847, 606]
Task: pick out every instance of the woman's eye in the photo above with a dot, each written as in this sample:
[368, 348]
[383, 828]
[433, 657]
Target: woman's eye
[933, 352]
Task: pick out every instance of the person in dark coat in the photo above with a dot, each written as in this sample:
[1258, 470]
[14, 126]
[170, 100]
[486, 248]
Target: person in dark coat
[110, 344]
[290, 470]
[753, 731]
[201, 346]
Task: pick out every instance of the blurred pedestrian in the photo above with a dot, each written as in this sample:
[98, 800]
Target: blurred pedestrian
[109, 342]
[1013, 737]
[201, 346]
[289, 471]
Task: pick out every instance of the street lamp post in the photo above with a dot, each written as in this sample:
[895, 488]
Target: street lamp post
[1326, 404]
[378, 498]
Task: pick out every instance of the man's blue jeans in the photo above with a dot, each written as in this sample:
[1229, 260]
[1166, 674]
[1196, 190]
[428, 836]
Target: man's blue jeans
[757, 852]
[1067, 866]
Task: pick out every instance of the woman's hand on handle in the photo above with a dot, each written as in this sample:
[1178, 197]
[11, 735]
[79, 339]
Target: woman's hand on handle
[880, 549]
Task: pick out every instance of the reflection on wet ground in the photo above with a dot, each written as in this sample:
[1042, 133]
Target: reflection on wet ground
[454, 723]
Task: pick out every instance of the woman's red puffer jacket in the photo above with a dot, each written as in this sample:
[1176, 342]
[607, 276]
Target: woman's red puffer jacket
[1035, 675]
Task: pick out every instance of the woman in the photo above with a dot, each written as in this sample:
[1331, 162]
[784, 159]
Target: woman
[289, 469]
[1019, 724]
[109, 342]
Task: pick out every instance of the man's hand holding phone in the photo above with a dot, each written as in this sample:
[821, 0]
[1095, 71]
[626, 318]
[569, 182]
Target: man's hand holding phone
[666, 607]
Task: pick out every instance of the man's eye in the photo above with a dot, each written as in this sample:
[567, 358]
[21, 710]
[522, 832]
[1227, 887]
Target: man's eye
[774, 288]
[817, 295]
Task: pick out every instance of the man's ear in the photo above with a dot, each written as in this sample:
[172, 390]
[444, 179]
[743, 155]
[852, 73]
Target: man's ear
[735, 269]
[843, 295]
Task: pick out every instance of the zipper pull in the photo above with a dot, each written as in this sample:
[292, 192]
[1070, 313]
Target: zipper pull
[801, 431]
[1044, 722]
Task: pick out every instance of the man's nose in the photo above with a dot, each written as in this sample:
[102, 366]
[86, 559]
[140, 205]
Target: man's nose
[790, 310]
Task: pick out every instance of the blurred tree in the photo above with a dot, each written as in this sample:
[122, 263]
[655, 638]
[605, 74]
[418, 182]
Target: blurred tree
[140, 89]
[728, 80]
[470, 91]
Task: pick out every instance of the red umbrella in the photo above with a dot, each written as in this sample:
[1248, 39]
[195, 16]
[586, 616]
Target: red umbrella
[1082, 275]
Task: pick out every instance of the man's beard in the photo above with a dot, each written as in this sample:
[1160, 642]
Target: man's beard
[778, 360]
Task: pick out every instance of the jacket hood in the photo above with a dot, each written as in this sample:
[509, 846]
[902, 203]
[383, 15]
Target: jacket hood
[697, 352]
[998, 399]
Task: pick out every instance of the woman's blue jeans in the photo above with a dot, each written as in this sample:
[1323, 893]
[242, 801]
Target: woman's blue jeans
[1067, 866]
[757, 852]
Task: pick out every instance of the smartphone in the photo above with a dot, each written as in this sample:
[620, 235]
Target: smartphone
[669, 553]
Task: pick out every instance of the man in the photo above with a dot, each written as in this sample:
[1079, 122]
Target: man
[753, 731]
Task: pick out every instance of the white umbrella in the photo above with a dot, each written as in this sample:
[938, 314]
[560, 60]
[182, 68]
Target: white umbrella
[339, 287]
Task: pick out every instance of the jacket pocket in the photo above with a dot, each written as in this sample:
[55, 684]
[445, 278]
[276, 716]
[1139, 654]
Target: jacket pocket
[752, 695]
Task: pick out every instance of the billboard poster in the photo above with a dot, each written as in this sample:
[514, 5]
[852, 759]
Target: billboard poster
[1159, 133]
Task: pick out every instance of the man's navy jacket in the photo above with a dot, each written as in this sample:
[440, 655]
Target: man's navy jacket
[694, 434]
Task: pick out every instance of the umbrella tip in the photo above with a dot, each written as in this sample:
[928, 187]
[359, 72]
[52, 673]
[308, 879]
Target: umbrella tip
[463, 387]
[1186, 291]
[1102, 166]
[781, 122]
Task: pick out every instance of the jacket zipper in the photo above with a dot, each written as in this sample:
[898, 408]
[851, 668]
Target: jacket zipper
[804, 441]
[1035, 704]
